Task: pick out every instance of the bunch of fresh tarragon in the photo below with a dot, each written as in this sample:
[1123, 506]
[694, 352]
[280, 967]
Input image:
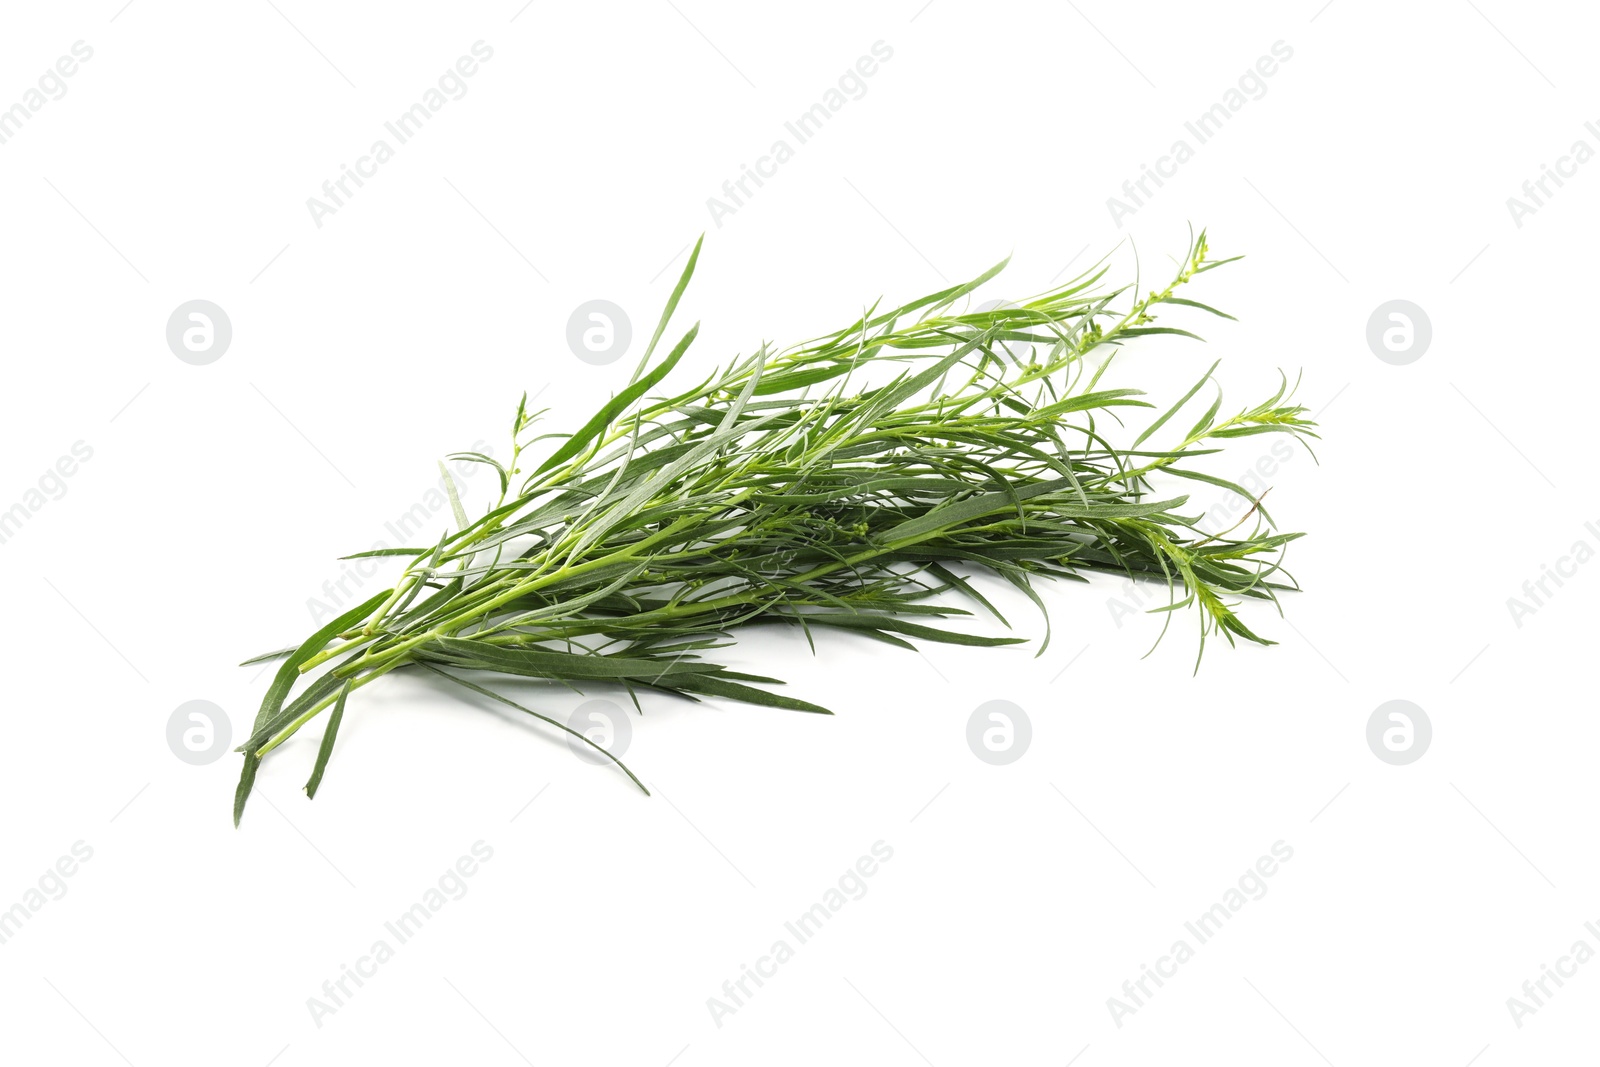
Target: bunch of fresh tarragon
[844, 483]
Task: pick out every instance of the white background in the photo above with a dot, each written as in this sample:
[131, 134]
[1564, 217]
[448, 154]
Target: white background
[577, 166]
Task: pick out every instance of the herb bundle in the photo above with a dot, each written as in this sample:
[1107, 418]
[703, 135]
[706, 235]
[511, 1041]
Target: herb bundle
[784, 489]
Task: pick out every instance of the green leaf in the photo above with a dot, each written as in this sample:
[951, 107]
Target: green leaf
[543, 663]
[268, 656]
[326, 749]
[1173, 410]
[639, 386]
[715, 685]
[388, 552]
[543, 718]
[1197, 304]
[456, 509]
[904, 626]
[618, 404]
[284, 680]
